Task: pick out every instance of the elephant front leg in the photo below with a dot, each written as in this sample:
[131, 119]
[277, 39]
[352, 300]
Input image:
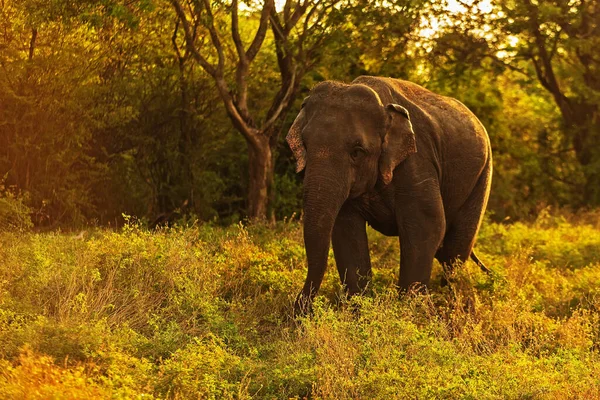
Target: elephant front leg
[421, 229]
[351, 250]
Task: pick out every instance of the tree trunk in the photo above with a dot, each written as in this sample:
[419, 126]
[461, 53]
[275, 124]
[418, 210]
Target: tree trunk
[585, 143]
[581, 122]
[260, 167]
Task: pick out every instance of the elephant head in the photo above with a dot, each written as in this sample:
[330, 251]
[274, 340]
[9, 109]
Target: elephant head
[347, 140]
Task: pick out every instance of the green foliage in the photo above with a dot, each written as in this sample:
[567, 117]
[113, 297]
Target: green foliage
[204, 369]
[205, 312]
[105, 111]
[14, 213]
[37, 377]
[550, 44]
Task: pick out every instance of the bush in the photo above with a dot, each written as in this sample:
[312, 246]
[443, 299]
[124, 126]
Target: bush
[14, 214]
[204, 312]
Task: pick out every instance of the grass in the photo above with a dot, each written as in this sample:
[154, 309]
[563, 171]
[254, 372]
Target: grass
[204, 312]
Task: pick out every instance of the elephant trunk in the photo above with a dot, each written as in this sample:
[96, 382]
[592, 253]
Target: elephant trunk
[324, 195]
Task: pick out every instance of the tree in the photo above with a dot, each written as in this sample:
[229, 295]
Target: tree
[150, 127]
[559, 41]
[299, 31]
[44, 134]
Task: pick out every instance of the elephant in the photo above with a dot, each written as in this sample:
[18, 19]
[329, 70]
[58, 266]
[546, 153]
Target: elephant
[389, 153]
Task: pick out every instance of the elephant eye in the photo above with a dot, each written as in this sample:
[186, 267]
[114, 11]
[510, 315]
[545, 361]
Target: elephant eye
[357, 152]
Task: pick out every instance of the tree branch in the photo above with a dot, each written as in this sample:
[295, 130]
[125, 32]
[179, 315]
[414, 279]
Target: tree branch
[279, 106]
[214, 36]
[249, 133]
[293, 60]
[261, 33]
[34, 34]
[543, 65]
[235, 31]
[180, 57]
[540, 74]
[499, 61]
[286, 64]
[555, 44]
[190, 39]
[238, 120]
[246, 57]
[296, 15]
[242, 66]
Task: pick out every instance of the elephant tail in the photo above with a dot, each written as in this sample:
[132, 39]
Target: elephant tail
[481, 265]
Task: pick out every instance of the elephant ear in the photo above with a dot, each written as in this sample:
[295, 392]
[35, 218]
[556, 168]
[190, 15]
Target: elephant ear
[294, 139]
[398, 143]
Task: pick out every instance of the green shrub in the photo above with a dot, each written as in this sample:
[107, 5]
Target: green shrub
[14, 214]
[205, 312]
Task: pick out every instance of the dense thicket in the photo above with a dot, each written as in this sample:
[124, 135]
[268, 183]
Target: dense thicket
[161, 108]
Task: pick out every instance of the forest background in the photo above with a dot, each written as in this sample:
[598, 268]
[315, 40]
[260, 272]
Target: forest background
[120, 115]
[168, 108]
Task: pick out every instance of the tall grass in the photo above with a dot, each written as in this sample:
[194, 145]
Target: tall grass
[205, 312]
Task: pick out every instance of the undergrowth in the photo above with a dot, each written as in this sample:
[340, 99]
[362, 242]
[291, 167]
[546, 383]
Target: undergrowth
[205, 312]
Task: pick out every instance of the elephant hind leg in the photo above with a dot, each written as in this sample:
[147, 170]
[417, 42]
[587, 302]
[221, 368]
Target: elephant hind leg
[461, 234]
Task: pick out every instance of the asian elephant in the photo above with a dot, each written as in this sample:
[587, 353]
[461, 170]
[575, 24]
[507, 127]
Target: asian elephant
[394, 155]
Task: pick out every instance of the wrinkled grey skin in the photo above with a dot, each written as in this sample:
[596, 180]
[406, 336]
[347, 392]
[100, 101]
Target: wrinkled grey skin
[391, 154]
